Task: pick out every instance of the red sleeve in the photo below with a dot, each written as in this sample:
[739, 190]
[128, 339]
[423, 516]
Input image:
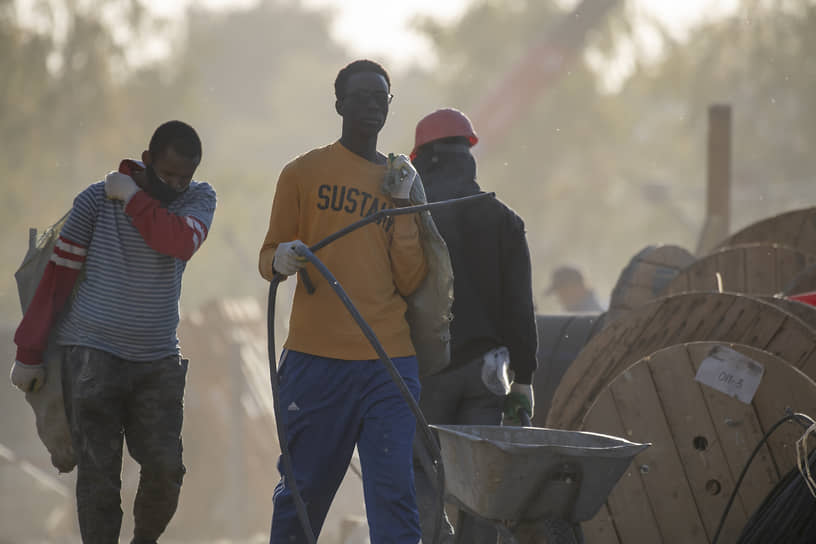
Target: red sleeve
[52, 293]
[169, 234]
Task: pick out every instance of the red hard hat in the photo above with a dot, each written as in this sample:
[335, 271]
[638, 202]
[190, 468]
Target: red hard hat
[443, 123]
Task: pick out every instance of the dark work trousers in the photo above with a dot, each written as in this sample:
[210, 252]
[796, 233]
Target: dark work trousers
[108, 399]
[456, 397]
[328, 406]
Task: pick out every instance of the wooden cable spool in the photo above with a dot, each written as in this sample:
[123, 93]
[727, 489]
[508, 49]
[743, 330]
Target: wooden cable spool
[645, 277]
[687, 317]
[676, 491]
[805, 312]
[762, 269]
[795, 229]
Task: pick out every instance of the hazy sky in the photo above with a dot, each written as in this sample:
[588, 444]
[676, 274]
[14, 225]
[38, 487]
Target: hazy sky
[382, 28]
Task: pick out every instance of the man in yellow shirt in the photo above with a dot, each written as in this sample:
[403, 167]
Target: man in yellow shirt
[334, 392]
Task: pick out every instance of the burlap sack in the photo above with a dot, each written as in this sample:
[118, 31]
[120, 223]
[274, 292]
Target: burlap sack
[429, 307]
[49, 411]
[48, 403]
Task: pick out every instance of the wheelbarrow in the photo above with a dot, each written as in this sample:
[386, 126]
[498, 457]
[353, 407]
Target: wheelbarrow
[534, 485]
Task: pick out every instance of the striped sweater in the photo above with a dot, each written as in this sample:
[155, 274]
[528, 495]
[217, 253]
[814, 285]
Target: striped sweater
[133, 257]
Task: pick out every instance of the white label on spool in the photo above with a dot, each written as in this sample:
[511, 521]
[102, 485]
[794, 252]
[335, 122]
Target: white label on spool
[731, 372]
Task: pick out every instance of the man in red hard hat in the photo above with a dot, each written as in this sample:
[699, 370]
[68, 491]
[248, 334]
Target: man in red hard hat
[493, 333]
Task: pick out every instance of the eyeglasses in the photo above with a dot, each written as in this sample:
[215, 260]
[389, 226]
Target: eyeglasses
[363, 97]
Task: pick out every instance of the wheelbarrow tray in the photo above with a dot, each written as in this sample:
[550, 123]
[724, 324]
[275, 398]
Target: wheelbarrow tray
[530, 473]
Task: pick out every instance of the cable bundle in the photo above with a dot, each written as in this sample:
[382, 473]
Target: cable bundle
[788, 513]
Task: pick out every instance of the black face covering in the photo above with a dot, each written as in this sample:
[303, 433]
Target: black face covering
[447, 171]
[159, 189]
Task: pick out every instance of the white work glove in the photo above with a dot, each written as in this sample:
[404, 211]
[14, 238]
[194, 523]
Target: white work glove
[120, 186]
[399, 177]
[286, 260]
[27, 378]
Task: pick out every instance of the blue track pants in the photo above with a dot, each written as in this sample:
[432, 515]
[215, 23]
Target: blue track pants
[329, 406]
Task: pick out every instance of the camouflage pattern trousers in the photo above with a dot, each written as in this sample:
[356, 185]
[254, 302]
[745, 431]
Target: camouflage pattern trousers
[108, 399]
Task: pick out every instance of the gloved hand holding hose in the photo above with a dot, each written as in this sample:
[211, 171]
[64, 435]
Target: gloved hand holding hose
[287, 261]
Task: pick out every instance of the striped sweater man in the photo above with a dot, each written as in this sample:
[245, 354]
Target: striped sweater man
[129, 237]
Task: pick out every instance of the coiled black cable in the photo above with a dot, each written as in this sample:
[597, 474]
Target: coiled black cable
[803, 420]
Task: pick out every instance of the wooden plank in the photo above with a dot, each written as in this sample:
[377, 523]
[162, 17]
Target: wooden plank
[684, 319]
[652, 276]
[808, 366]
[695, 437]
[628, 506]
[646, 276]
[760, 273]
[699, 276]
[757, 323]
[806, 238]
[632, 297]
[642, 413]
[789, 264]
[805, 312]
[667, 255]
[731, 266]
[600, 529]
[804, 282]
[739, 431]
[753, 269]
[795, 229]
[791, 343]
[702, 275]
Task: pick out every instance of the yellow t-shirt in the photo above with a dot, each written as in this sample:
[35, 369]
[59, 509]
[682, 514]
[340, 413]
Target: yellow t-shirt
[318, 194]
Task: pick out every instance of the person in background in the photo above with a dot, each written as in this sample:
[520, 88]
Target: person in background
[573, 294]
[493, 333]
[130, 237]
[334, 392]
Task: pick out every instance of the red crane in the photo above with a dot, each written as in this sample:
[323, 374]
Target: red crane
[546, 60]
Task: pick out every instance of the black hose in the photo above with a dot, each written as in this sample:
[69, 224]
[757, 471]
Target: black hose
[379, 216]
[280, 426]
[389, 212]
[802, 419]
[428, 439]
[786, 514]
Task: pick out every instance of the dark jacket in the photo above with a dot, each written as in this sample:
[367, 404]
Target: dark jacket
[492, 289]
